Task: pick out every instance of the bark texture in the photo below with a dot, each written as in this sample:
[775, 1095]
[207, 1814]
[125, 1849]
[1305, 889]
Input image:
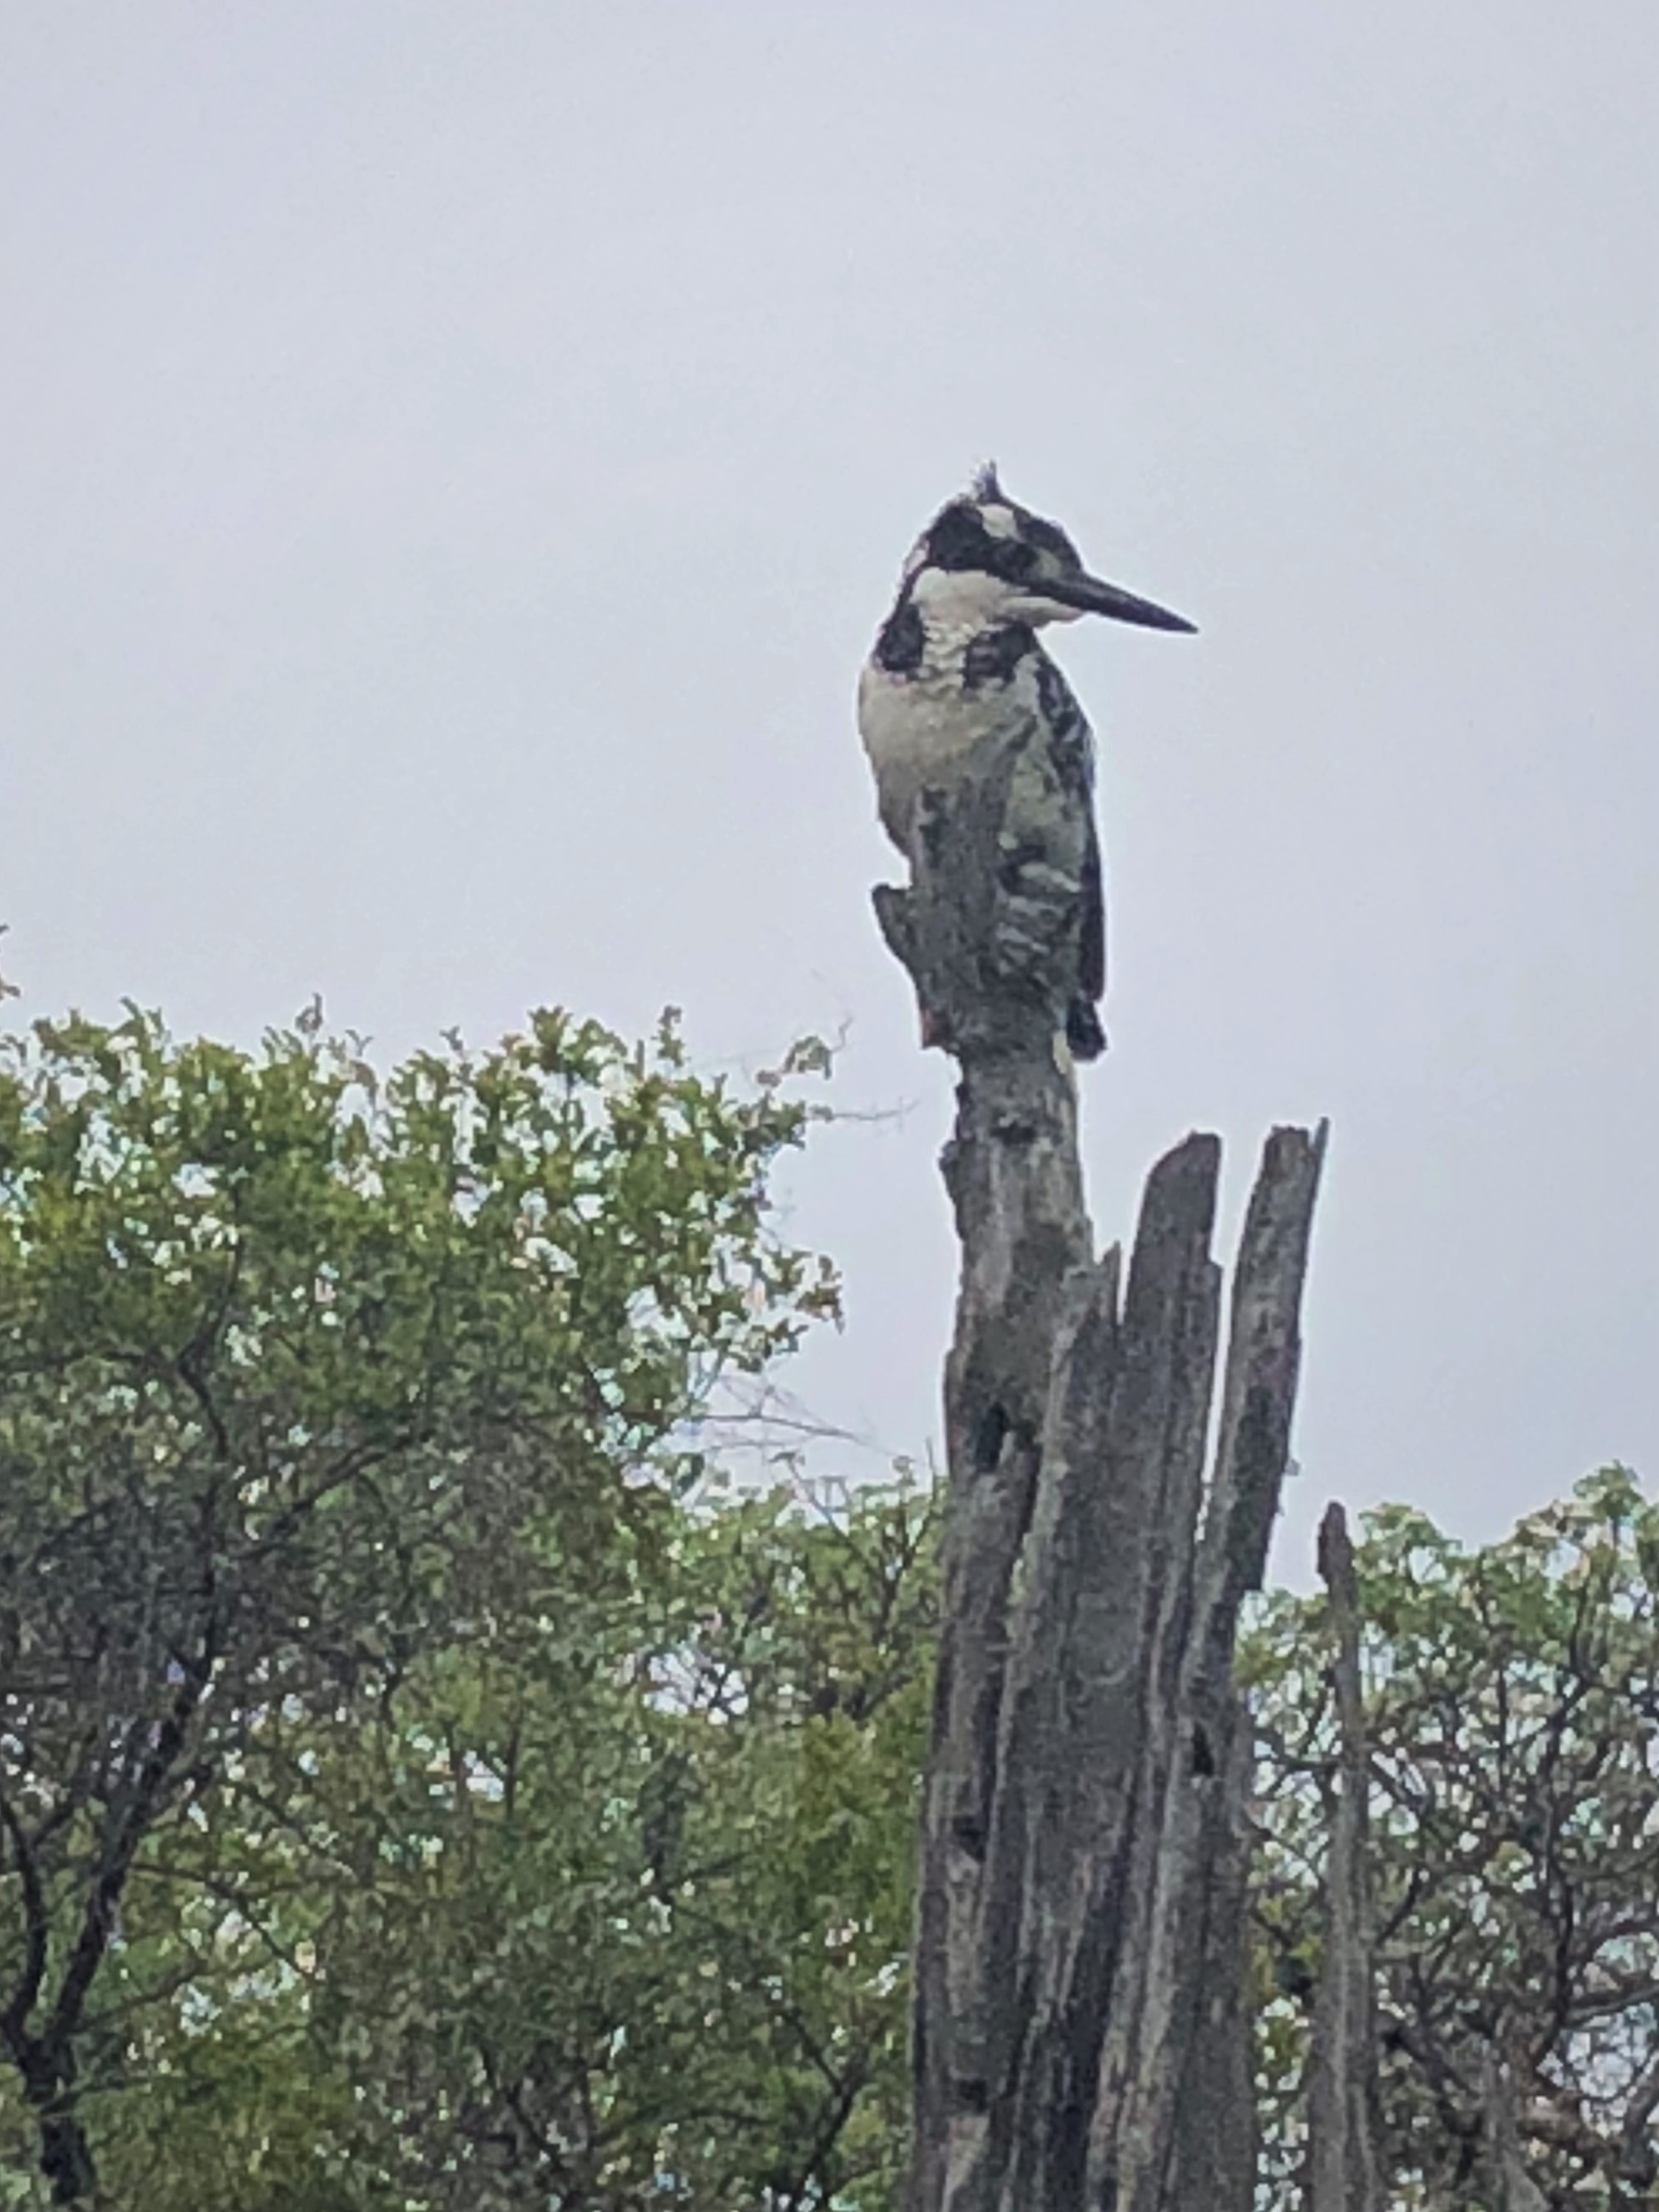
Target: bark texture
[1080, 2032]
[1519, 2191]
[1342, 2080]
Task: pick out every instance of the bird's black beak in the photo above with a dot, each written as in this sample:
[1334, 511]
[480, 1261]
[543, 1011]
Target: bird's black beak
[1091, 597]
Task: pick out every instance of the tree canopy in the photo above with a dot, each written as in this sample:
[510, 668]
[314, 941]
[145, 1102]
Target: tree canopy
[310, 1382]
[1512, 1713]
[425, 1786]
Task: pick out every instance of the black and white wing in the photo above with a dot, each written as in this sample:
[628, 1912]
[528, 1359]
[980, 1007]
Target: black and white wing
[1072, 748]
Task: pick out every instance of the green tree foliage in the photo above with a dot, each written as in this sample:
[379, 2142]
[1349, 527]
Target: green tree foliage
[605, 1903]
[1513, 1711]
[301, 1378]
[651, 1948]
[423, 1789]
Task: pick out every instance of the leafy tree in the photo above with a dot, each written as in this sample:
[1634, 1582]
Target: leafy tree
[302, 1377]
[1513, 1716]
[421, 1789]
[609, 1908]
[635, 1930]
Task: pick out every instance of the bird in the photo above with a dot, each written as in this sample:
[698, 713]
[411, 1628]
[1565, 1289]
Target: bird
[959, 661]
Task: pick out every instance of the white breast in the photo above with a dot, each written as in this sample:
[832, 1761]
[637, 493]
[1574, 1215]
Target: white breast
[918, 730]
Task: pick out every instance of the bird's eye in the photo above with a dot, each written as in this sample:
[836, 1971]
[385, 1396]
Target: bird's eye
[958, 539]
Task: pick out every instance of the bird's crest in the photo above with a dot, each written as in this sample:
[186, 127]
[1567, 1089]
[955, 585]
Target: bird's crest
[1027, 569]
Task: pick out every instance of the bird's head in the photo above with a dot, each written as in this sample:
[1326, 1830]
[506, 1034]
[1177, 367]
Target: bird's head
[984, 559]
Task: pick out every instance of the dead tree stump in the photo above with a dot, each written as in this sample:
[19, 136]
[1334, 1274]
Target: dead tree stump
[1079, 2028]
[1342, 2076]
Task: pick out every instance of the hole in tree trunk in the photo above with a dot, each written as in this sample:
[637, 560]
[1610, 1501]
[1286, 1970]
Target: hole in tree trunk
[988, 1436]
[968, 1835]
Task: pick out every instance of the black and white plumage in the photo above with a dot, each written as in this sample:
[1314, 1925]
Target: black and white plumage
[958, 662]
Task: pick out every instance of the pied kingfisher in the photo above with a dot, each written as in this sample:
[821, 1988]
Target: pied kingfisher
[959, 661]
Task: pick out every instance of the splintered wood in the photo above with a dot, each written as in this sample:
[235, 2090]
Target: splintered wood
[1080, 2028]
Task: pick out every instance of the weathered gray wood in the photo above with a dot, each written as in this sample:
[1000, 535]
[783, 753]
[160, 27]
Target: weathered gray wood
[1519, 2191]
[1012, 1174]
[1342, 2084]
[1080, 2032]
[989, 964]
[1212, 2161]
[1173, 2105]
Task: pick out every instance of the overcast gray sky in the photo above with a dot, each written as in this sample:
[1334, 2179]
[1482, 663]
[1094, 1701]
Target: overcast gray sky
[456, 457]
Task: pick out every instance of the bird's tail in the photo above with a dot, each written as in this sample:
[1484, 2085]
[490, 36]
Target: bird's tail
[1083, 1032]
